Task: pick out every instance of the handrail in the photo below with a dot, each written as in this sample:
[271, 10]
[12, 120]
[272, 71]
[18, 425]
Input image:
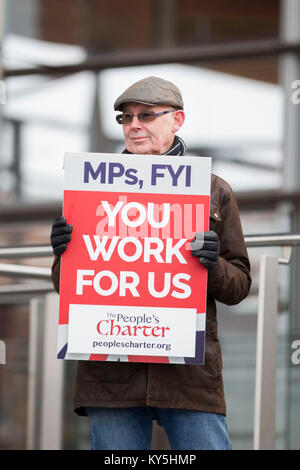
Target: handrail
[183, 54]
[250, 240]
[272, 240]
[20, 270]
[25, 252]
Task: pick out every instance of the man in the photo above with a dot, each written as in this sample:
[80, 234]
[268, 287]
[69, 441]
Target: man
[121, 399]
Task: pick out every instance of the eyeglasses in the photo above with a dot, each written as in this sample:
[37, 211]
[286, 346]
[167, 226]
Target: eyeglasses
[146, 116]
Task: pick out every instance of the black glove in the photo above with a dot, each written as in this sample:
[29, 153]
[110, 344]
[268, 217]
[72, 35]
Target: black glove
[60, 235]
[206, 247]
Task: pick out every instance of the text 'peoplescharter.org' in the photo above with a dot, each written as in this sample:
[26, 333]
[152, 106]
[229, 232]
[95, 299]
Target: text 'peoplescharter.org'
[131, 344]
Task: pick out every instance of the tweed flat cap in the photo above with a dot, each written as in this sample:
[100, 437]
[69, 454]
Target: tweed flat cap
[151, 91]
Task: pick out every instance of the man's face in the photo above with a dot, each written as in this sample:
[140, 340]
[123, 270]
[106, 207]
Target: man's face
[155, 137]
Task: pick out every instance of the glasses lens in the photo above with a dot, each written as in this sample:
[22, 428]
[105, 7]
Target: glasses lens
[127, 118]
[146, 116]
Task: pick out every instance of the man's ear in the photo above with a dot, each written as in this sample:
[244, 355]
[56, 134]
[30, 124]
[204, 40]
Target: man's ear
[179, 120]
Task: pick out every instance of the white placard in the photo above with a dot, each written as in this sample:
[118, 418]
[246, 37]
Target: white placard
[139, 331]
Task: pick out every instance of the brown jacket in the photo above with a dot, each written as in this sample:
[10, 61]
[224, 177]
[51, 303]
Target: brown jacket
[186, 386]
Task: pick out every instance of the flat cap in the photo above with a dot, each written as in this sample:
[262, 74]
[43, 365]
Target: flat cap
[151, 91]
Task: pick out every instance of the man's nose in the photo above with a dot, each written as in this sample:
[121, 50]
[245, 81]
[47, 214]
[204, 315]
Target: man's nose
[135, 124]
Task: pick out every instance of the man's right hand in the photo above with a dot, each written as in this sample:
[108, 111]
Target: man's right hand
[60, 235]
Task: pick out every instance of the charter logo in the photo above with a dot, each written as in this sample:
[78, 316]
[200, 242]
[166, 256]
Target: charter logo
[2, 352]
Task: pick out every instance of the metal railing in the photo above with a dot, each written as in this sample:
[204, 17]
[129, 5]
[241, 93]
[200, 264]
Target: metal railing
[265, 381]
[184, 54]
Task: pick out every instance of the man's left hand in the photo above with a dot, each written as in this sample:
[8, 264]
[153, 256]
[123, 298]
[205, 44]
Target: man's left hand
[206, 247]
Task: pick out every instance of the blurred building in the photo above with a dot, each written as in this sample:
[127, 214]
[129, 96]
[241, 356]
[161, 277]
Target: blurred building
[63, 64]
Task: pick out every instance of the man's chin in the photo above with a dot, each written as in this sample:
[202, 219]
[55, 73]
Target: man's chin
[139, 148]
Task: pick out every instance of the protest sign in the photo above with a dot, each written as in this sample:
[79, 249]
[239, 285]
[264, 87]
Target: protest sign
[130, 289]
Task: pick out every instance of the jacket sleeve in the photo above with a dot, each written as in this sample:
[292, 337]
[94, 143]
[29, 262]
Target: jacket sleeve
[55, 273]
[230, 281]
